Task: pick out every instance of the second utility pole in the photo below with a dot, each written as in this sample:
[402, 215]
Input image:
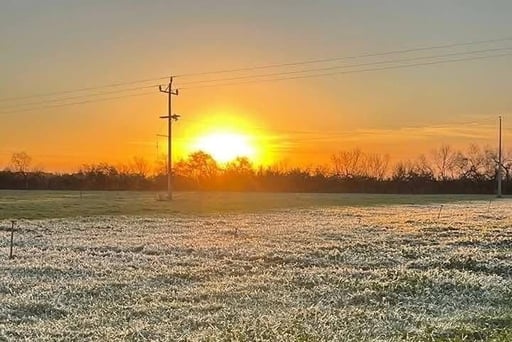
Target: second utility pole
[169, 118]
[499, 163]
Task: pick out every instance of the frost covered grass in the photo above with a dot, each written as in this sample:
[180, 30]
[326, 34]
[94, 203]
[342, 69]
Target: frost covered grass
[395, 272]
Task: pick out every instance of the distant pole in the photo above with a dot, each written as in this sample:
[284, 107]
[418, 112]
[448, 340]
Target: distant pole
[499, 162]
[169, 118]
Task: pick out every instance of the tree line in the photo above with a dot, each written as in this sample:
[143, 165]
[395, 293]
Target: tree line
[442, 170]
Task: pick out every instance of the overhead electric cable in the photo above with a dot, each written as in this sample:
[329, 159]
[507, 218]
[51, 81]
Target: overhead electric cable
[78, 90]
[323, 60]
[56, 100]
[349, 65]
[348, 71]
[75, 103]
[13, 106]
[258, 67]
[277, 79]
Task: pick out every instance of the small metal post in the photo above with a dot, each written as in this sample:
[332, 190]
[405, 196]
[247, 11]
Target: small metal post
[12, 240]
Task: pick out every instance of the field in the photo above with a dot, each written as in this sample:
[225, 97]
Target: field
[290, 267]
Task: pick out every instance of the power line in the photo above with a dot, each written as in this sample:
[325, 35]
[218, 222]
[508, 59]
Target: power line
[79, 96]
[278, 79]
[323, 60]
[75, 103]
[78, 90]
[275, 80]
[349, 65]
[260, 67]
[349, 71]
[264, 75]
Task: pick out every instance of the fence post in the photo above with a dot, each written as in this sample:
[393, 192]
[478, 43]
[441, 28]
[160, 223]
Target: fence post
[12, 240]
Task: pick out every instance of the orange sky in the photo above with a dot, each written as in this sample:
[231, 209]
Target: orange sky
[403, 112]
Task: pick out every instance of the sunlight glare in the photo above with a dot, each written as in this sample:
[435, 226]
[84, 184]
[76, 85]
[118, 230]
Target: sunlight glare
[224, 147]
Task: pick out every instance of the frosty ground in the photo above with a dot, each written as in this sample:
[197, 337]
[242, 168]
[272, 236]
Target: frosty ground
[297, 272]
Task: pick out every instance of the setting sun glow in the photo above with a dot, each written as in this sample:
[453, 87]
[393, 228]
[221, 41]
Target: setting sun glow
[224, 147]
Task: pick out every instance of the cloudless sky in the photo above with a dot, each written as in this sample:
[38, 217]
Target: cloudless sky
[54, 45]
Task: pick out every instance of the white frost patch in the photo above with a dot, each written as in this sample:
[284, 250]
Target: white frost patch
[374, 273]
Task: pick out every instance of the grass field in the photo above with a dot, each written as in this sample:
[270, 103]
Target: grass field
[56, 204]
[290, 267]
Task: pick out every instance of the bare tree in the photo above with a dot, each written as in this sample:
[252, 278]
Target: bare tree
[124, 169]
[20, 163]
[472, 164]
[160, 166]
[402, 171]
[376, 165]
[507, 164]
[423, 167]
[348, 164]
[444, 161]
[141, 167]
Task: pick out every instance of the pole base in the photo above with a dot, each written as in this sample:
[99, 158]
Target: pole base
[163, 197]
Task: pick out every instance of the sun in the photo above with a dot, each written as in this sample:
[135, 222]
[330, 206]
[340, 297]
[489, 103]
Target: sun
[224, 147]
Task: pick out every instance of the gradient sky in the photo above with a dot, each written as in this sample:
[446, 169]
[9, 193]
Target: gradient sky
[57, 45]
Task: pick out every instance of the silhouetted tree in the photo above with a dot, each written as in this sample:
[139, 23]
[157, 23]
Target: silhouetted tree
[20, 163]
[376, 165]
[141, 167]
[348, 164]
[443, 170]
[444, 162]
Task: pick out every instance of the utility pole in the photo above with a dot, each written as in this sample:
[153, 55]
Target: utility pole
[499, 162]
[169, 118]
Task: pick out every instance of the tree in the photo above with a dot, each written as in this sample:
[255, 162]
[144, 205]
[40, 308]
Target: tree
[348, 164]
[141, 167]
[444, 162]
[238, 175]
[423, 168]
[507, 164]
[472, 164]
[376, 165]
[402, 171]
[100, 176]
[160, 167]
[240, 166]
[20, 163]
[203, 165]
[199, 166]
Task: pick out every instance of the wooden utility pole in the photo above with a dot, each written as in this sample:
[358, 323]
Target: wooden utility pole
[169, 118]
[499, 194]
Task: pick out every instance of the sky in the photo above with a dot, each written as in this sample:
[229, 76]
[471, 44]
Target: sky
[54, 46]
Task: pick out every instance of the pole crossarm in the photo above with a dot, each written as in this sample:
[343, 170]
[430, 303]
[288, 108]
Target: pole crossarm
[166, 90]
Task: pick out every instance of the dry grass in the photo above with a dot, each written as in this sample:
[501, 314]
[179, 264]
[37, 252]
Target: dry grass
[54, 204]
